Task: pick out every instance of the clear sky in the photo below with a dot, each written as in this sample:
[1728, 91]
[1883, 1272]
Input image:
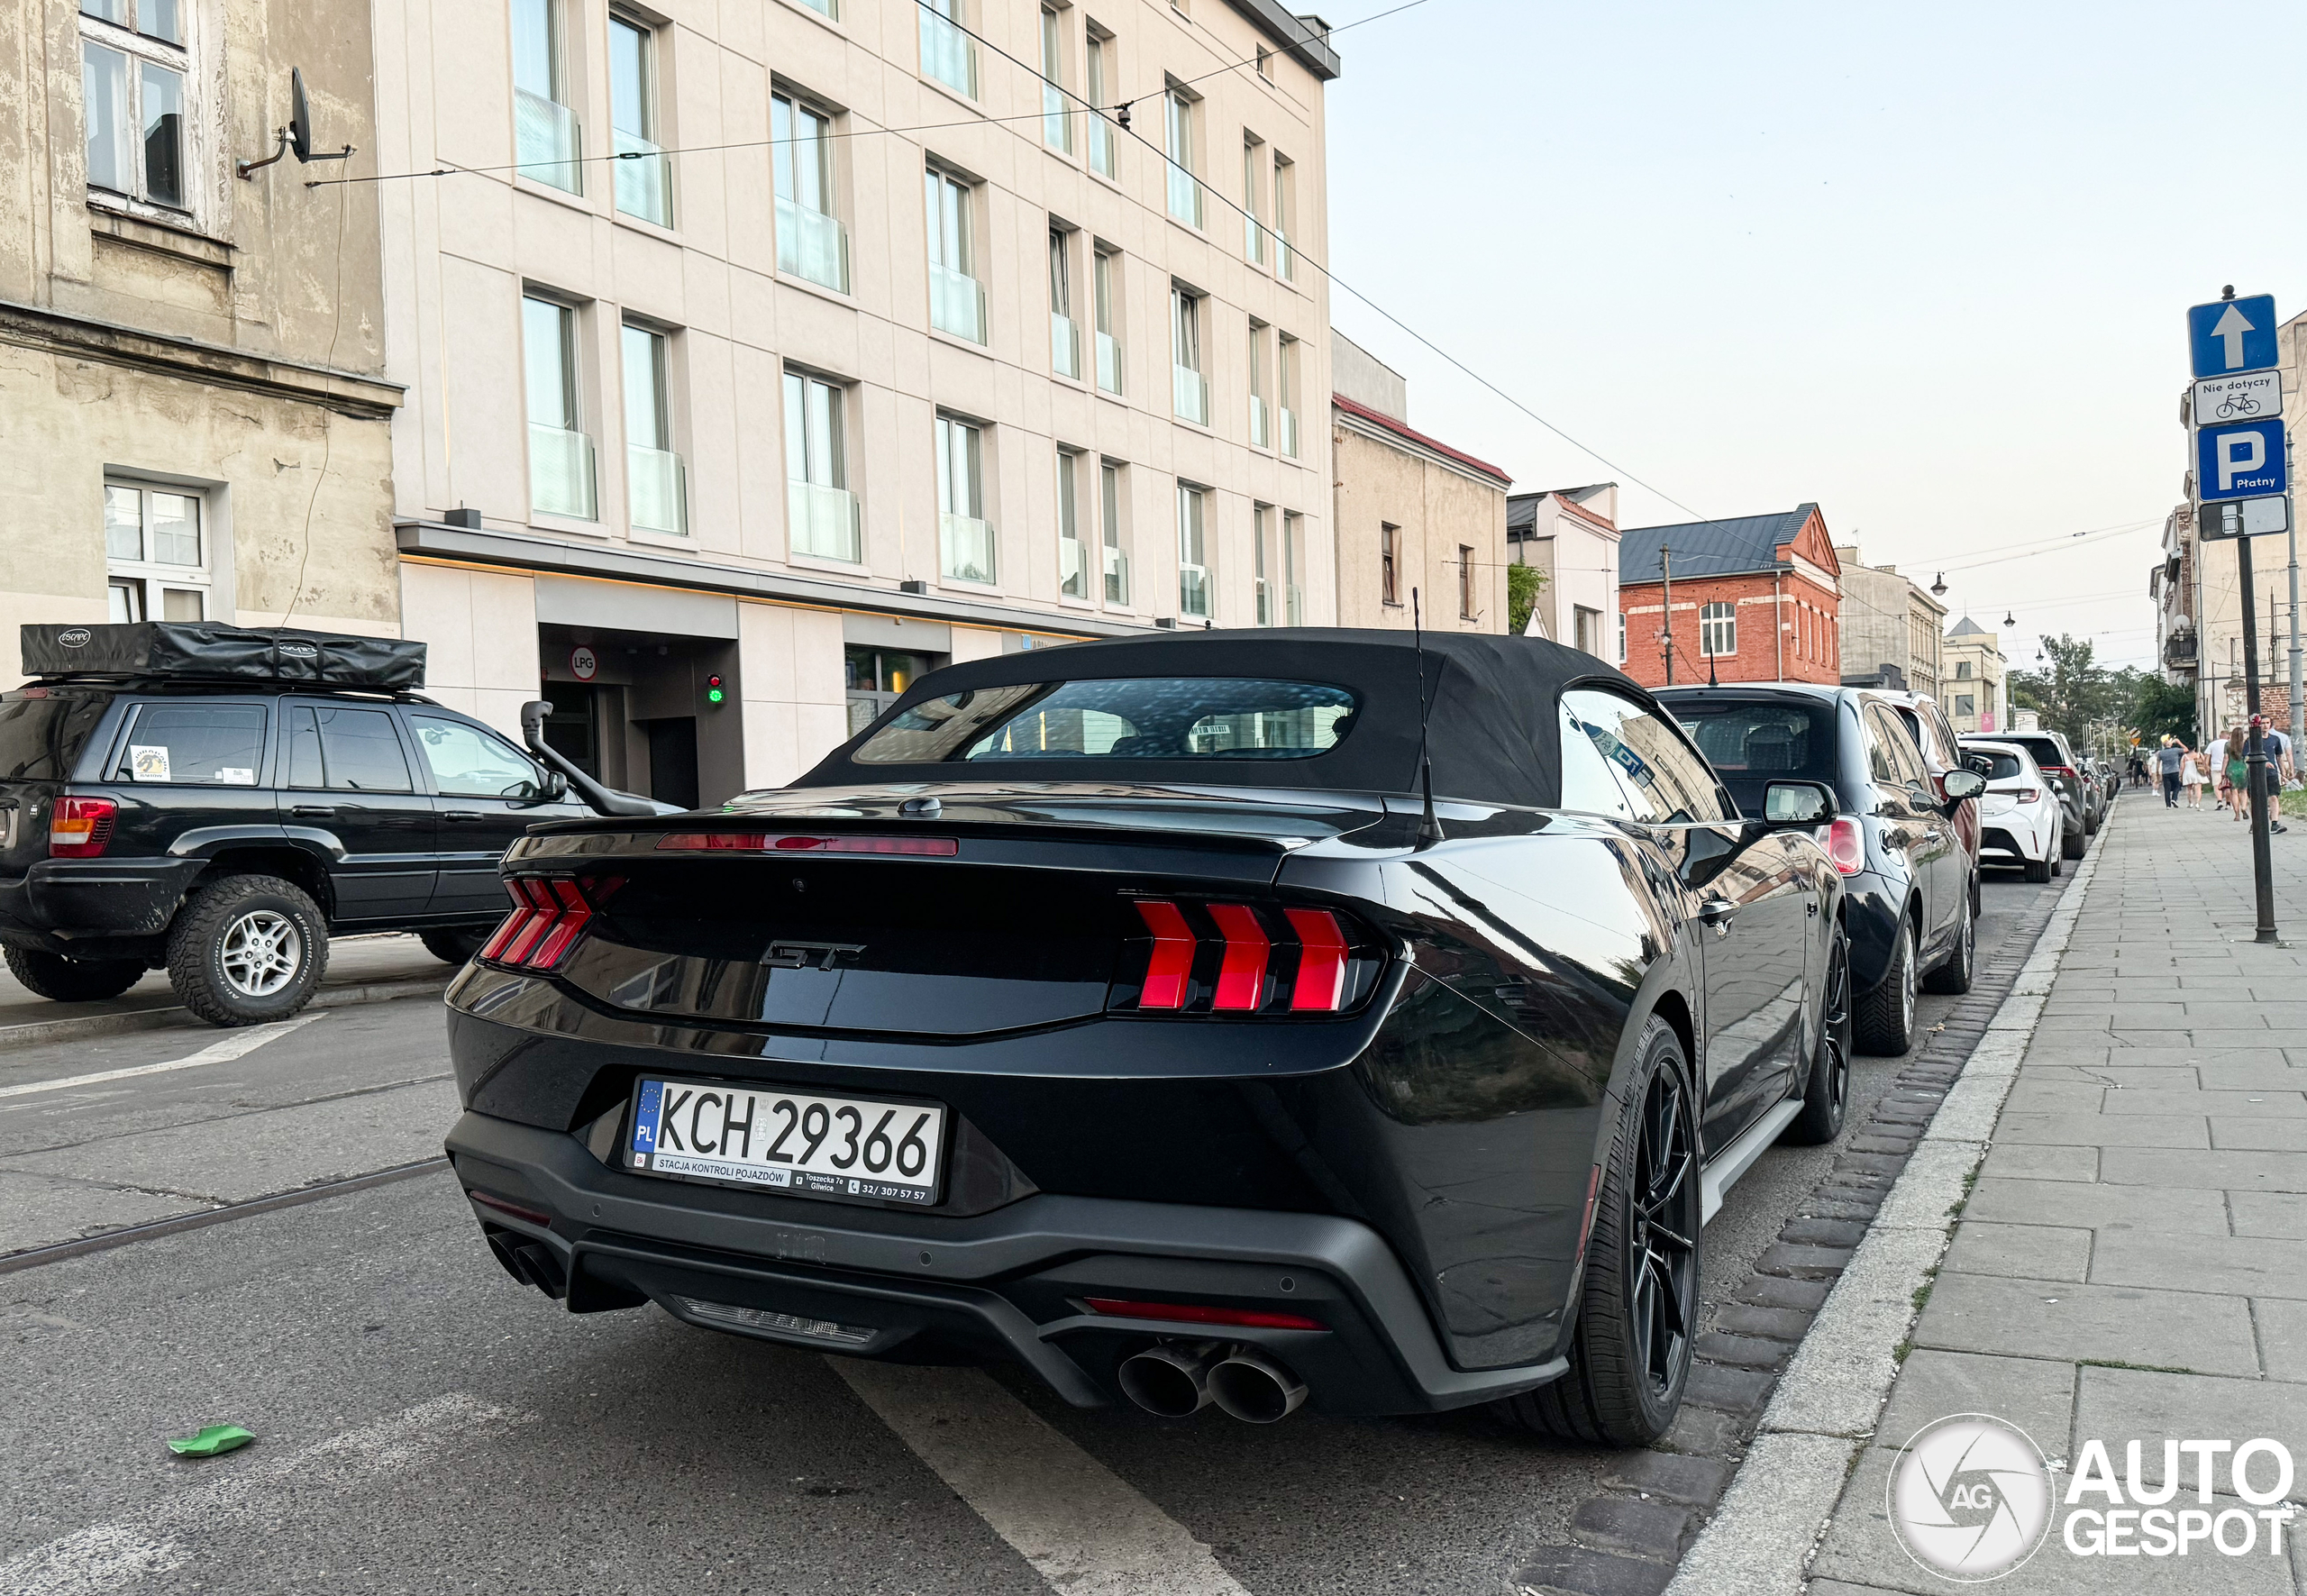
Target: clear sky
[1927, 265]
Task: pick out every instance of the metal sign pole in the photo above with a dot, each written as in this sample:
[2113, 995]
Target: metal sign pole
[2298, 701]
[2255, 758]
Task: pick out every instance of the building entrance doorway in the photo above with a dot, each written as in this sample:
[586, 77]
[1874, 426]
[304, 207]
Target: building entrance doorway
[672, 760]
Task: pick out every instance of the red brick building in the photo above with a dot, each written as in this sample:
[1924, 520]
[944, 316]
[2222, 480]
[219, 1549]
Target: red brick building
[1756, 599]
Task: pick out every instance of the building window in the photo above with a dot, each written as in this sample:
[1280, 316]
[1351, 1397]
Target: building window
[1057, 124]
[1106, 290]
[878, 679]
[155, 565]
[1265, 63]
[1109, 504]
[1103, 136]
[644, 174]
[1190, 388]
[1389, 563]
[1621, 637]
[136, 82]
[825, 8]
[1586, 626]
[1261, 408]
[1064, 337]
[545, 131]
[1285, 365]
[1193, 568]
[1254, 235]
[947, 54]
[811, 241]
[1718, 629]
[820, 511]
[1284, 221]
[956, 300]
[964, 540]
[560, 454]
[1962, 671]
[1965, 705]
[1178, 134]
[1466, 582]
[1072, 561]
[1264, 611]
[656, 479]
[1293, 606]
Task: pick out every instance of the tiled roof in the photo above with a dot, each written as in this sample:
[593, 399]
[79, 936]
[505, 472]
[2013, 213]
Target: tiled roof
[1710, 548]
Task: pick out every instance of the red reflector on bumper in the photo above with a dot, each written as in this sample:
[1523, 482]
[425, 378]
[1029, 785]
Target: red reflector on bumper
[1188, 1313]
[1241, 978]
[762, 842]
[514, 1208]
[1321, 962]
[1166, 977]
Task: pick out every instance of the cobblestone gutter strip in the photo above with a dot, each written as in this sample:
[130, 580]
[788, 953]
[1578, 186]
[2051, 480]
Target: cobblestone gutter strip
[1828, 1303]
[1760, 1540]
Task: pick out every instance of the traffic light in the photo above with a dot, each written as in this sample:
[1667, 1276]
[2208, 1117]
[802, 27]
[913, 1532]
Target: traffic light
[713, 690]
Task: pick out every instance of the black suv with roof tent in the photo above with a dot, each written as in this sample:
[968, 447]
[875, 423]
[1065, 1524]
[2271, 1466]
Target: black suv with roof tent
[218, 800]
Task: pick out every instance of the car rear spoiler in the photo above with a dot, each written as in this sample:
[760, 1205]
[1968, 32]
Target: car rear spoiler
[600, 799]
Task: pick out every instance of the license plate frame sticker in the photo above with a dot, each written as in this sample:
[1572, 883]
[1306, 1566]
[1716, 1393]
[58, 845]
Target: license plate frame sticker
[799, 1144]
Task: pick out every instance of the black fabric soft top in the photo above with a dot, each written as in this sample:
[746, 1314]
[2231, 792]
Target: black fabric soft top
[1494, 732]
[214, 651]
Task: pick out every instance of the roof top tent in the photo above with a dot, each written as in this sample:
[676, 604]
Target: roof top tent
[213, 651]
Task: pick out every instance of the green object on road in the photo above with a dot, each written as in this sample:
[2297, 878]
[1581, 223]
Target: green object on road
[210, 1439]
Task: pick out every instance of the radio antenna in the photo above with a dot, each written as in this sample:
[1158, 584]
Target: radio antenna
[1430, 829]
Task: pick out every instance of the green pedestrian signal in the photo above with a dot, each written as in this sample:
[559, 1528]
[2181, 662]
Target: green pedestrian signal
[712, 693]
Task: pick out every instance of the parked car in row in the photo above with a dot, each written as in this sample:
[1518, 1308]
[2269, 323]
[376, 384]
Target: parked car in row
[2084, 796]
[2021, 815]
[217, 801]
[1926, 722]
[1911, 889]
[1233, 1018]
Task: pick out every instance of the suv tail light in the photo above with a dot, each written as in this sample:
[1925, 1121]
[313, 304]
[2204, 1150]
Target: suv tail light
[1245, 959]
[549, 915]
[80, 827]
[1846, 844]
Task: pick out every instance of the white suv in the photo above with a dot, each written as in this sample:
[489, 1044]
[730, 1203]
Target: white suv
[2019, 814]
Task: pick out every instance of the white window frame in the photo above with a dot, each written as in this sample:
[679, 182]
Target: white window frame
[1253, 180]
[1057, 105]
[1193, 553]
[1070, 463]
[138, 50]
[1113, 507]
[1107, 307]
[1718, 630]
[1180, 135]
[147, 580]
[646, 142]
[1100, 83]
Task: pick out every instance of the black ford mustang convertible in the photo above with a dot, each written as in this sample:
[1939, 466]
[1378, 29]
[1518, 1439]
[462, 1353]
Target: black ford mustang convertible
[1237, 1019]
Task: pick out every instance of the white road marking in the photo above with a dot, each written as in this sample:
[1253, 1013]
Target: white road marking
[1083, 1529]
[216, 1053]
[107, 1557]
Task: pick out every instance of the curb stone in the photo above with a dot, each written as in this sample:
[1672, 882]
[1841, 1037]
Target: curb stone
[80, 1027]
[1819, 1287]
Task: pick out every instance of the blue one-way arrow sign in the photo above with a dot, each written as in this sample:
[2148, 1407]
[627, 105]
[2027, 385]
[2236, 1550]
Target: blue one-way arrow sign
[2243, 461]
[2232, 335]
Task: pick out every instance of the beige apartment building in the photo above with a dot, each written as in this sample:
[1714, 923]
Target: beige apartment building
[1891, 627]
[809, 344]
[1977, 698]
[191, 388]
[1412, 514]
[1571, 535]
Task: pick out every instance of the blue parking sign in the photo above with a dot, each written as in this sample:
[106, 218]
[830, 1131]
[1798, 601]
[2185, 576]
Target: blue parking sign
[2232, 335]
[2244, 461]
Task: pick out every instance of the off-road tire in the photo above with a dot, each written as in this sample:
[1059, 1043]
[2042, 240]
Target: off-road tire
[1826, 1094]
[1952, 975]
[1886, 1011]
[197, 949]
[2039, 871]
[73, 980]
[1607, 1397]
[452, 945]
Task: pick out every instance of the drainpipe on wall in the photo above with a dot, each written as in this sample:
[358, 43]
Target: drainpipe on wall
[1778, 620]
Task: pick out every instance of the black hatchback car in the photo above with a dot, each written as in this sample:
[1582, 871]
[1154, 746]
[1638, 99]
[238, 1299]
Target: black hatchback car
[217, 801]
[1912, 883]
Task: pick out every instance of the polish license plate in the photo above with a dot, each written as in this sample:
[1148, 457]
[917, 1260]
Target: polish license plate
[804, 1143]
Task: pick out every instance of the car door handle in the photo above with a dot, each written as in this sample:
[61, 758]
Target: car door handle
[1717, 912]
[463, 814]
[314, 812]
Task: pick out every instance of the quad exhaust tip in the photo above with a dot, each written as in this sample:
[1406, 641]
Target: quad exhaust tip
[1176, 1379]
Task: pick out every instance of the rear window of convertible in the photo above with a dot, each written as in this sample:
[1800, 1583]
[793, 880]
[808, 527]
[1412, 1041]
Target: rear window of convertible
[1168, 718]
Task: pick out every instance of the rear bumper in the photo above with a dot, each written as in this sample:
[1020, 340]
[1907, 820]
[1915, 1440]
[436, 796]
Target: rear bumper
[59, 903]
[1009, 1283]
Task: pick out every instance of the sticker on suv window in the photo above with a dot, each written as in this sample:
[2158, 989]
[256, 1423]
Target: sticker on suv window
[148, 762]
[236, 776]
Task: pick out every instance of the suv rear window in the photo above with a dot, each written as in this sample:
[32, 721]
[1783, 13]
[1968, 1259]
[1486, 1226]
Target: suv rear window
[1175, 718]
[2045, 750]
[193, 745]
[1999, 767]
[1752, 745]
[42, 732]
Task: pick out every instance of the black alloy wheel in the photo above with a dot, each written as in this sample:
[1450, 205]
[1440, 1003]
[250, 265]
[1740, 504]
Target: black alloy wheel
[1826, 1095]
[1885, 1013]
[1953, 977]
[1630, 1348]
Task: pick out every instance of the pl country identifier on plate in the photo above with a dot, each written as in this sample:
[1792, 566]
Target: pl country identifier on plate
[802, 1142]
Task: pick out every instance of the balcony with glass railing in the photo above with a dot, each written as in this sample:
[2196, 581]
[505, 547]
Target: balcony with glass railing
[956, 304]
[1289, 433]
[965, 548]
[948, 54]
[1285, 259]
[823, 521]
[547, 141]
[1293, 606]
[1193, 592]
[1116, 576]
[1254, 241]
[813, 245]
[560, 472]
[1072, 569]
[1185, 196]
[645, 179]
[1190, 394]
[1110, 362]
[1260, 428]
[1261, 596]
[1065, 346]
[656, 483]
[1057, 124]
[1102, 136]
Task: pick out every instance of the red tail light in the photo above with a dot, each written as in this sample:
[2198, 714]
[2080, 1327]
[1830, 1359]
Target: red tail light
[1321, 967]
[1241, 978]
[80, 827]
[542, 908]
[549, 915]
[1166, 978]
[1189, 1313]
[1846, 845]
[1310, 965]
[2028, 795]
[762, 842]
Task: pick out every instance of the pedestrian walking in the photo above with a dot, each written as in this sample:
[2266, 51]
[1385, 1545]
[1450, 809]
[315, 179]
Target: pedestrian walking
[2168, 760]
[2277, 748]
[2233, 772]
[2191, 776]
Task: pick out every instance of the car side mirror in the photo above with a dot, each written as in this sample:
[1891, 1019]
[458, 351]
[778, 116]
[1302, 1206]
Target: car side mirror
[1798, 803]
[1959, 785]
[556, 786]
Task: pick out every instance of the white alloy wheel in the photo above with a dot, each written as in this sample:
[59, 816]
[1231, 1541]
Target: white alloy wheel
[261, 952]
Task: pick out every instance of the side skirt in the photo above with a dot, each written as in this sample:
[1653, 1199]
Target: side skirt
[1739, 1156]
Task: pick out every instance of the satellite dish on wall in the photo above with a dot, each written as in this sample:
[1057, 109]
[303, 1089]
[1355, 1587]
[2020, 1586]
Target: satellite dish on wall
[300, 116]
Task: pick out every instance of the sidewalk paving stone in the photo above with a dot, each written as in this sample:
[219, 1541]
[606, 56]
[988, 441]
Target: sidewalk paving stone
[2104, 1130]
[2092, 1206]
[2233, 1265]
[2037, 1394]
[2061, 1319]
[2238, 1171]
[2030, 1252]
[2267, 1213]
[2149, 1406]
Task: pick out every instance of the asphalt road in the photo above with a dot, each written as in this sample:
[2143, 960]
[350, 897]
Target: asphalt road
[426, 1425]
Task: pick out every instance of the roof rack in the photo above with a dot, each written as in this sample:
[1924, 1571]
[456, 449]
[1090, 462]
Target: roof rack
[210, 652]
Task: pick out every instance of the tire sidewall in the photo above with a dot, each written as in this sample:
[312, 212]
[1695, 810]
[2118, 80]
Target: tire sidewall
[1660, 1051]
[196, 949]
